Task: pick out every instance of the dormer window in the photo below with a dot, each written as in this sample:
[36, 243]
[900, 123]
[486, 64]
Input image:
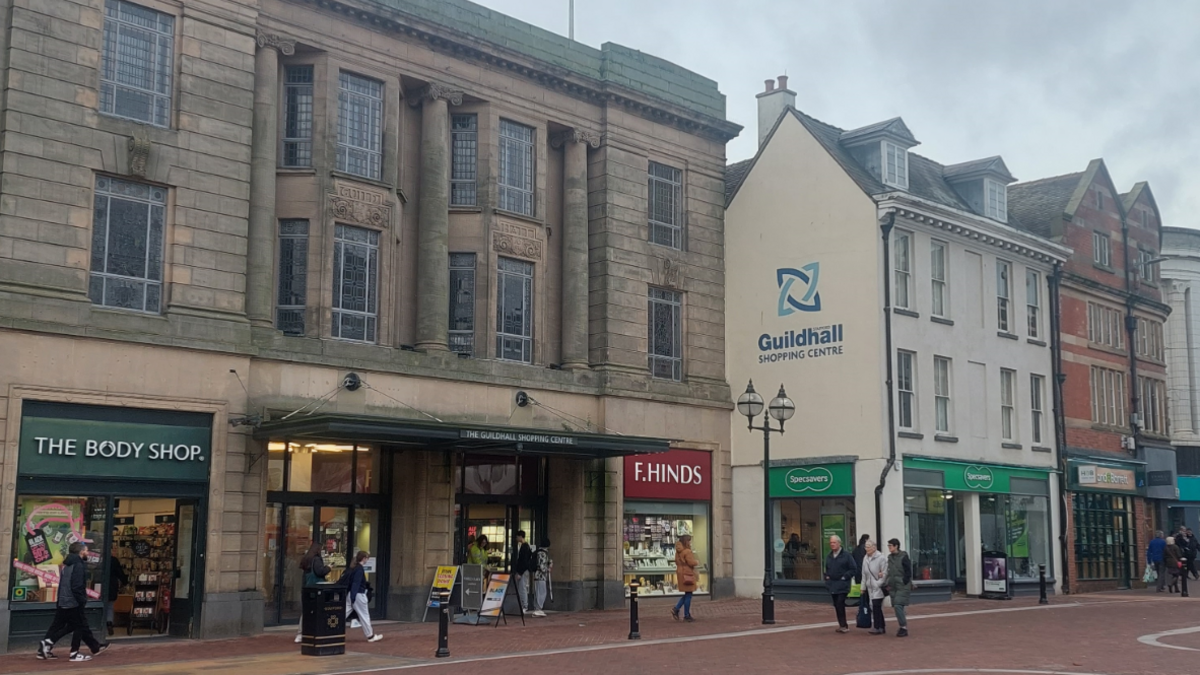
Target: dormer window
[895, 167]
[997, 200]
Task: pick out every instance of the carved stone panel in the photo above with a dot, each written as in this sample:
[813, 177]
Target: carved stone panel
[139, 153]
[516, 239]
[668, 273]
[355, 205]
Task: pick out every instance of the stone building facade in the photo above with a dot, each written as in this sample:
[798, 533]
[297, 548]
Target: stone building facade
[422, 272]
[1113, 420]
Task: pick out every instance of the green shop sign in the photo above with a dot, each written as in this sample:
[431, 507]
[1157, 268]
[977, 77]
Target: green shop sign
[85, 448]
[975, 477]
[816, 480]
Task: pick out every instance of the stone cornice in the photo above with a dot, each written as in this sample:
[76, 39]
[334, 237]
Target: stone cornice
[285, 46]
[575, 136]
[980, 234]
[582, 87]
[434, 91]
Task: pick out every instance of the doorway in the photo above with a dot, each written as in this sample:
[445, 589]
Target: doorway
[153, 563]
[497, 497]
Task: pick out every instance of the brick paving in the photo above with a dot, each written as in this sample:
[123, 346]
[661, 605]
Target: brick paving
[1086, 634]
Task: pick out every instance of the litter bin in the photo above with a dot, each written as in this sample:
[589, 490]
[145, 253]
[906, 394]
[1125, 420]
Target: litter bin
[323, 622]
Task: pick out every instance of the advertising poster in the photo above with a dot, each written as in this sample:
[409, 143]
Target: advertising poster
[493, 598]
[995, 574]
[832, 524]
[48, 528]
[443, 580]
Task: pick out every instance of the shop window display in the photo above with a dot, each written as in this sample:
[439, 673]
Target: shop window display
[650, 533]
[804, 527]
[46, 528]
[1018, 525]
[928, 531]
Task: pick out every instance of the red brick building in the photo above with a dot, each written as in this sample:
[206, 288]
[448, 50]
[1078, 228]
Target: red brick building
[1111, 405]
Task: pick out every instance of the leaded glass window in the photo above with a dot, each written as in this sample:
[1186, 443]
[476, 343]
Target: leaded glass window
[516, 168]
[355, 283]
[360, 126]
[666, 334]
[135, 68]
[293, 276]
[127, 245]
[514, 310]
[462, 303]
[297, 116]
[664, 205]
[464, 154]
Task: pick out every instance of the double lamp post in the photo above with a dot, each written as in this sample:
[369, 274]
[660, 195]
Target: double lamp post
[781, 409]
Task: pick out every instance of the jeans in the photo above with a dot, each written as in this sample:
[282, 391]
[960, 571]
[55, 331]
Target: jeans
[539, 594]
[523, 590]
[839, 606]
[359, 606]
[75, 622]
[685, 603]
[901, 615]
[877, 614]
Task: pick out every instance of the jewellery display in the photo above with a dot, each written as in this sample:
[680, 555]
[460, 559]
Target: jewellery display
[649, 552]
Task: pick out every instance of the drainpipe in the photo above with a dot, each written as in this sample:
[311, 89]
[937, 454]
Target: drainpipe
[885, 228]
[1060, 420]
[1131, 332]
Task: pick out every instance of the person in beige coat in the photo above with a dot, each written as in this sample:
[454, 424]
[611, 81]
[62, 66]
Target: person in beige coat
[685, 574]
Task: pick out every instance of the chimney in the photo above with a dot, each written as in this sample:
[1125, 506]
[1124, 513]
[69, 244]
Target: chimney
[771, 104]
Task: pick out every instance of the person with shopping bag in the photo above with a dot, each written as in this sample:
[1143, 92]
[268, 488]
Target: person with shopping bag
[839, 572]
[874, 571]
[1155, 566]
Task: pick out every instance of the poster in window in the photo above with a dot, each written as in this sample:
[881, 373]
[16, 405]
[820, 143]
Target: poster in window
[39, 550]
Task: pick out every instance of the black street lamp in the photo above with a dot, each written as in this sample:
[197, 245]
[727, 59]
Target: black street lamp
[781, 410]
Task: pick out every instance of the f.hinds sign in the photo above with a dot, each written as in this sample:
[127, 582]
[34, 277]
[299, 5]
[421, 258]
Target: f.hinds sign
[681, 475]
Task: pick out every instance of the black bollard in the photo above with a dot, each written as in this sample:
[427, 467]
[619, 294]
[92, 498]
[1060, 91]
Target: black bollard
[443, 649]
[1042, 585]
[634, 632]
[1183, 576]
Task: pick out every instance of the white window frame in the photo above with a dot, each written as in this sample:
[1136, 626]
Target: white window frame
[113, 281]
[939, 305]
[347, 240]
[359, 96]
[517, 271]
[1033, 303]
[906, 390]
[464, 160]
[665, 361]
[666, 224]
[1004, 296]
[894, 165]
[1152, 407]
[1008, 405]
[1106, 326]
[1108, 396]
[902, 264]
[995, 200]
[462, 287]
[943, 411]
[1101, 249]
[298, 87]
[291, 292]
[517, 154]
[1037, 408]
[133, 79]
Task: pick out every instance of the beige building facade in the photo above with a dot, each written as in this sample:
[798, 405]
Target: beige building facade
[370, 275]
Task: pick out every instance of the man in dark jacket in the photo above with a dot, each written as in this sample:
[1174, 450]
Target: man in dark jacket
[69, 614]
[116, 581]
[1154, 558]
[840, 570]
[523, 566]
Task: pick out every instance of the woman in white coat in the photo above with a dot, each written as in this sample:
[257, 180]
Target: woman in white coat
[874, 575]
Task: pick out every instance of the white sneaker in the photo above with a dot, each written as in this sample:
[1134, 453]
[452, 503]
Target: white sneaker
[355, 624]
[375, 638]
[539, 613]
[80, 656]
[299, 639]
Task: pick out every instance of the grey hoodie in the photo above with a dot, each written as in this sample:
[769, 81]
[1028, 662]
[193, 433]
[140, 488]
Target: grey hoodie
[72, 583]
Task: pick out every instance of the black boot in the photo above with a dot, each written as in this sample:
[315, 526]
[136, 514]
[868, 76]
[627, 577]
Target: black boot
[903, 632]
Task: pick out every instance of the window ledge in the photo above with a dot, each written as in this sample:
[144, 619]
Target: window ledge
[942, 320]
[1012, 446]
[944, 438]
[1035, 341]
[1006, 335]
[1103, 268]
[910, 434]
[1039, 448]
[466, 209]
[295, 171]
[520, 216]
[362, 179]
[1109, 428]
[1101, 347]
[118, 311]
[906, 312]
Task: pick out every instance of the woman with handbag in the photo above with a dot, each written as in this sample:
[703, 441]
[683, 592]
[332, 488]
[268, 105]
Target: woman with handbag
[839, 572]
[1173, 561]
[315, 570]
[874, 573]
[685, 573]
[357, 601]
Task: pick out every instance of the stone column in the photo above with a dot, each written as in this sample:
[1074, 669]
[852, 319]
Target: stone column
[575, 245]
[433, 217]
[260, 245]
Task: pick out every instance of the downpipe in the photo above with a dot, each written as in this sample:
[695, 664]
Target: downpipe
[885, 228]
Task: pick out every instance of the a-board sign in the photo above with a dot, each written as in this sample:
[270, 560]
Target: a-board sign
[473, 578]
[443, 580]
[995, 574]
[493, 598]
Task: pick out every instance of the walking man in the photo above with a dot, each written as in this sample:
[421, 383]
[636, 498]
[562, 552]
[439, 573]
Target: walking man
[1154, 558]
[543, 565]
[69, 616]
[521, 569]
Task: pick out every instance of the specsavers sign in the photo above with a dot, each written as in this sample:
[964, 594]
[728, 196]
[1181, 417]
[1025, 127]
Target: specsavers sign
[815, 480]
[83, 448]
[975, 477]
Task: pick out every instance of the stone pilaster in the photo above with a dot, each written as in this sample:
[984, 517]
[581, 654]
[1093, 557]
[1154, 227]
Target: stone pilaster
[433, 217]
[575, 245]
[260, 245]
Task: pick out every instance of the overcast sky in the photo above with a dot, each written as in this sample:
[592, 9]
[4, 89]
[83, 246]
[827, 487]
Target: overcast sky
[1047, 84]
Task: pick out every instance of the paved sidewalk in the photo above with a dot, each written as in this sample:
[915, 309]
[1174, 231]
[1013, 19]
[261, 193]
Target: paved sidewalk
[274, 653]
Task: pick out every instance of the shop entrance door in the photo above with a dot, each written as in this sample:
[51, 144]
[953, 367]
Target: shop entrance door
[184, 597]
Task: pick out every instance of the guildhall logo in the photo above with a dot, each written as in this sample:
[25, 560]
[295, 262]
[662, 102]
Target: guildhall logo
[810, 301]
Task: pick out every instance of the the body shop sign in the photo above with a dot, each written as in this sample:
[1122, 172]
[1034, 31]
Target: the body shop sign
[681, 475]
[88, 448]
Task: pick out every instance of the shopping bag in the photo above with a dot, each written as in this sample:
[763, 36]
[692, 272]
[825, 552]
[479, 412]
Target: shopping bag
[1150, 576]
[864, 614]
[855, 590]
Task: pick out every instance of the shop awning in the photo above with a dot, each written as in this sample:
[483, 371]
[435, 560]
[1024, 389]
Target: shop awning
[431, 435]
